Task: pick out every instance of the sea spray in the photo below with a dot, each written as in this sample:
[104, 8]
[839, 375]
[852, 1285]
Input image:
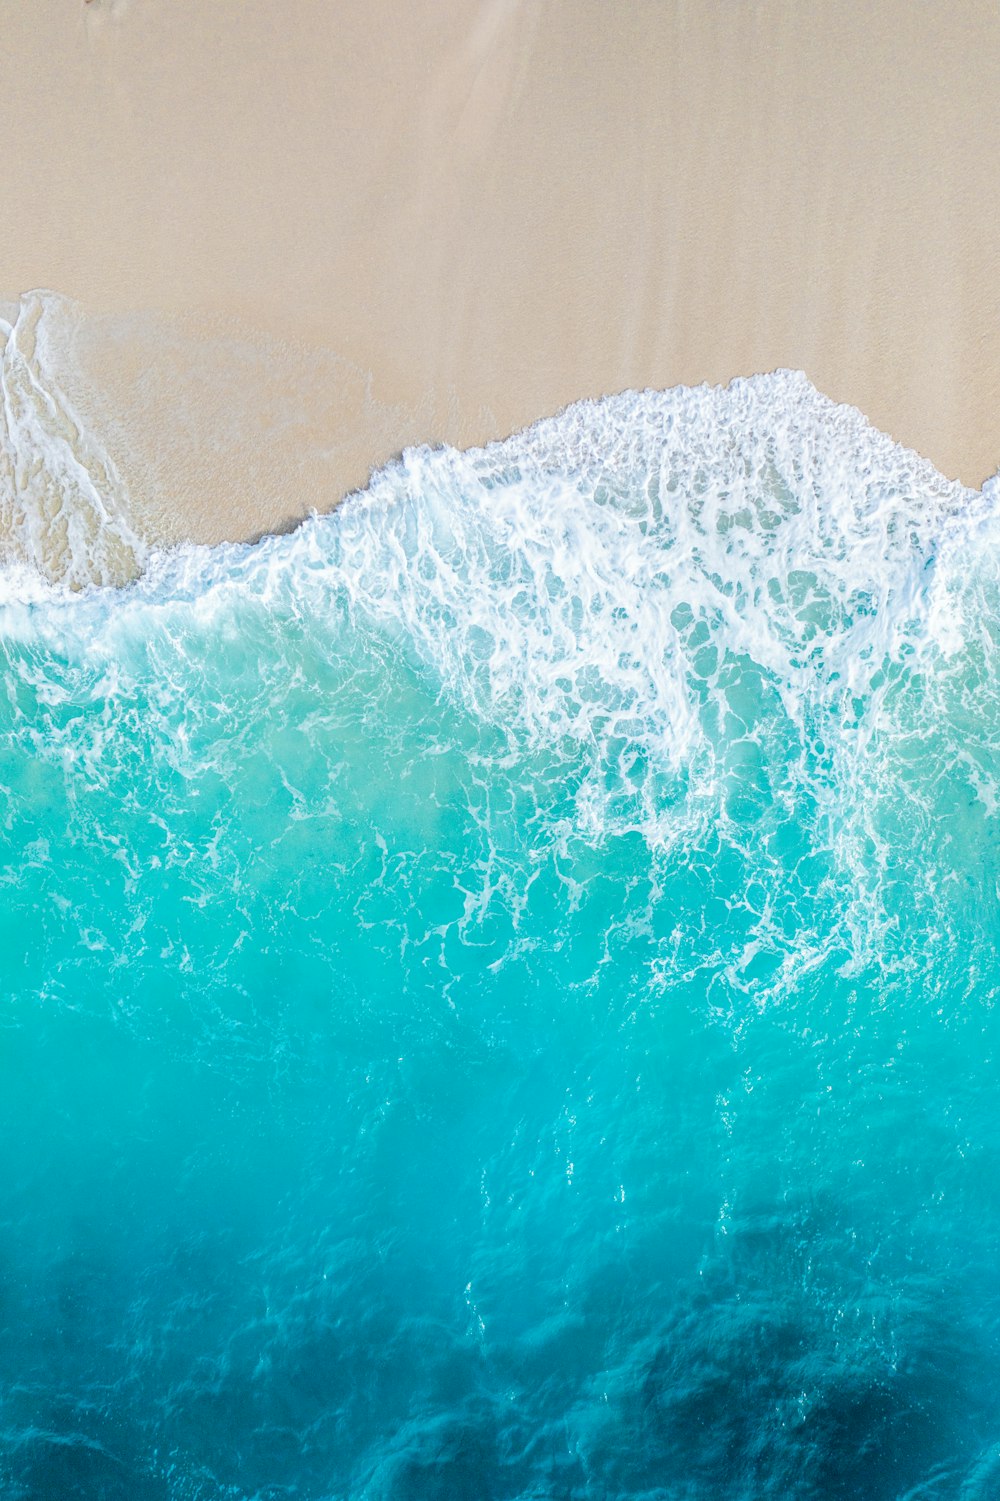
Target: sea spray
[500, 983]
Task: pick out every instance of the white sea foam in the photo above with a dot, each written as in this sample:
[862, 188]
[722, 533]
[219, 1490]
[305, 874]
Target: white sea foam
[594, 543]
[595, 553]
[599, 581]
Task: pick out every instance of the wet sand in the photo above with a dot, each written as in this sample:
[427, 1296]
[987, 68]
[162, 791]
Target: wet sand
[304, 234]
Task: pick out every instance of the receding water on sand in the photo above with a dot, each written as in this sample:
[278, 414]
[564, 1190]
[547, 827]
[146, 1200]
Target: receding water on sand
[499, 984]
[129, 431]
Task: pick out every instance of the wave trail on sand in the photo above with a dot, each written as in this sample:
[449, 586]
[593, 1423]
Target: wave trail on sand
[62, 503]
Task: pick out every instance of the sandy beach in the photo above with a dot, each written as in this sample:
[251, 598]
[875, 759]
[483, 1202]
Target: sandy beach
[300, 236]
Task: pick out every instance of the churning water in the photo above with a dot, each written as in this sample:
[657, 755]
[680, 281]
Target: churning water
[499, 986]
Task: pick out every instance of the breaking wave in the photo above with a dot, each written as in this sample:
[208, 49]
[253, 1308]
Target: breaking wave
[500, 982]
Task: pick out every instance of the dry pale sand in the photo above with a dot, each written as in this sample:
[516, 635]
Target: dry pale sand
[303, 233]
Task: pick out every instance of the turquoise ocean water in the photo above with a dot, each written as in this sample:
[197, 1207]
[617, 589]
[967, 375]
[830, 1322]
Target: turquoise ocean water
[499, 987]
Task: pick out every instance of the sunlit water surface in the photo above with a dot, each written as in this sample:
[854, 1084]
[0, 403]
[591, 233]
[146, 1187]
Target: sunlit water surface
[499, 987]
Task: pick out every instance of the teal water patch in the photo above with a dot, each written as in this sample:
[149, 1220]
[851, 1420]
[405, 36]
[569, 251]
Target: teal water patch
[499, 987]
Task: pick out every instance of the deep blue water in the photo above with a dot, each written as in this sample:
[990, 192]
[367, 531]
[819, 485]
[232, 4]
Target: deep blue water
[499, 987]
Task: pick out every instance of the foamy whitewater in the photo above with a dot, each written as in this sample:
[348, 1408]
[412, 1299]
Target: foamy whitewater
[500, 984]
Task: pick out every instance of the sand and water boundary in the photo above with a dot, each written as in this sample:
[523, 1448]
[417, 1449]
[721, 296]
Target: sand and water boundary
[300, 236]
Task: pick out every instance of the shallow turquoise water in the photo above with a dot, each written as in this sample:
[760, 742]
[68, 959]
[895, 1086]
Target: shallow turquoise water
[499, 988]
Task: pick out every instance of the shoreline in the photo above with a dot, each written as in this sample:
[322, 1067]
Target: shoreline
[784, 418]
[302, 239]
